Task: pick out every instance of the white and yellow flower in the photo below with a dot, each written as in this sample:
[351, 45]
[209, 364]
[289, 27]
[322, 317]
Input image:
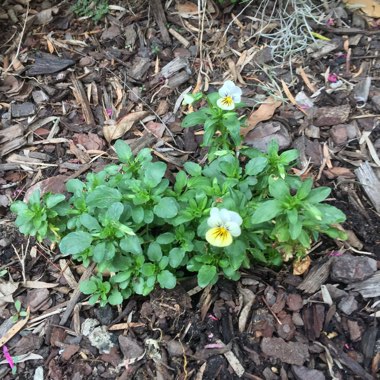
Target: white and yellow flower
[224, 225]
[229, 95]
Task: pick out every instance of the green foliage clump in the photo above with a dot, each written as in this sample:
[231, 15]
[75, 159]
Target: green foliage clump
[95, 9]
[142, 231]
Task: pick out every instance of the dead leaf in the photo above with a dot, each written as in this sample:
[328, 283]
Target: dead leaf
[264, 112]
[338, 171]
[157, 129]
[291, 97]
[15, 329]
[187, 9]
[115, 131]
[370, 7]
[300, 266]
[38, 285]
[6, 292]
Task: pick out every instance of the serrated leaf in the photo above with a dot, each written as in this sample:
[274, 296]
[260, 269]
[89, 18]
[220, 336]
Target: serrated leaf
[75, 242]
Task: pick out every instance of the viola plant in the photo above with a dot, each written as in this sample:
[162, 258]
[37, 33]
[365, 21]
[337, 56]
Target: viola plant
[143, 231]
[219, 118]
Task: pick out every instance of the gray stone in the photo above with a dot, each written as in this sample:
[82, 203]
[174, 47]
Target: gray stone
[22, 110]
[348, 269]
[105, 315]
[129, 347]
[288, 352]
[303, 373]
[39, 96]
[348, 305]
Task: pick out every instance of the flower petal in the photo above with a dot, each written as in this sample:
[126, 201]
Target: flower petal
[233, 228]
[236, 94]
[236, 218]
[222, 104]
[215, 219]
[219, 237]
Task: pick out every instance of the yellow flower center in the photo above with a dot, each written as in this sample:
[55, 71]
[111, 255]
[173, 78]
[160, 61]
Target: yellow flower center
[227, 101]
[219, 236]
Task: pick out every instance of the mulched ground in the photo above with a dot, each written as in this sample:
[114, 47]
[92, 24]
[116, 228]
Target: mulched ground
[69, 87]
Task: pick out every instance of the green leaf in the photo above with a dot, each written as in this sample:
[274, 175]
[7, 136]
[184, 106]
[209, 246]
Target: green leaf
[289, 156]
[331, 214]
[278, 188]
[163, 262]
[165, 238]
[166, 280]
[131, 244]
[114, 211]
[213, 98]
[206, 275]
[180, 181]
[88, 221]
[137, 214]
[256, 165]
[193, 169]
[194, 118]
[166, 208]
[103, 197]
[75, 242]
[176, 256]
[295, 229]
[305, 189]
[123, 151]
[154, 252]
[292, 216]
[88, 286]
[74, 185]
[153, 173]
[318, 195]
[266, 211]
[232, 124]
[121, 277]
[99, 252]
[19, 207]
[148, 269]
[53, 199]
[115, 298]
